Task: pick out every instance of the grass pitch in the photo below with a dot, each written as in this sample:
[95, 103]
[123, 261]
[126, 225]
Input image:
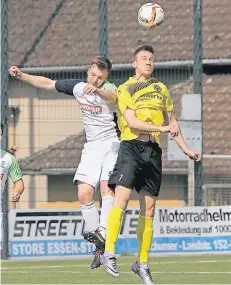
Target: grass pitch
[209, 269]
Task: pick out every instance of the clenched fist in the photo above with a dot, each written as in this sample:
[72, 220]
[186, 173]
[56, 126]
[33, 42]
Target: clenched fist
[15, 71]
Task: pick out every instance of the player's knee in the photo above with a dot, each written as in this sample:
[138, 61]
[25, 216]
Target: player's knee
[85, 194]
[147, 203]
[122, 196]
[147, 210]
[84, 199]
[105, 190]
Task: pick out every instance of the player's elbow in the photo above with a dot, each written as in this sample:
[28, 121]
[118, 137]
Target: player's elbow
[44, 83]
[130, 118]
[131, 123]
[113, 97]
[50, 85]
[19, 186]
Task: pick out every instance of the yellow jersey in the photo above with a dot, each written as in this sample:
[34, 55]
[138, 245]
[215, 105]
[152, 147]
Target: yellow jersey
[148, 98]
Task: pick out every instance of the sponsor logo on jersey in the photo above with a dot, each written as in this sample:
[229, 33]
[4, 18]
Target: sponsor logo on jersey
[93, 109]
[150, 97]
[157, 88]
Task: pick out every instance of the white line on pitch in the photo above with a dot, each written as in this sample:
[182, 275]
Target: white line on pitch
[120, 264]
[128, 272]
[182, 272]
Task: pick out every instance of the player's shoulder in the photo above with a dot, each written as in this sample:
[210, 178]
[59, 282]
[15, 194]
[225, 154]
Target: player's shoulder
[79, 83]
[79, 86]
[5, 152]
[7, 156]
[71, 82]
[108, 85]
[127, 83]
[158, 85]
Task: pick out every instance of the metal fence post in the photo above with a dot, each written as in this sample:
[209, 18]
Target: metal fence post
[103, 28]
[198, 89]
[4, 117]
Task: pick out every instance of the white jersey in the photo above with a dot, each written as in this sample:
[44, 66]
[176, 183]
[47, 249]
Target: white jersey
[97, 117]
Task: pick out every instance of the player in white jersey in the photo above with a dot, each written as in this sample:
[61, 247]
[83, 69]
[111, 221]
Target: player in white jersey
[9, 167]
[100, 151]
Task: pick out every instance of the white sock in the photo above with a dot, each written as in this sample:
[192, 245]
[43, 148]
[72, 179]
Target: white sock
[91, 216]
[143, 265]
[107, 203]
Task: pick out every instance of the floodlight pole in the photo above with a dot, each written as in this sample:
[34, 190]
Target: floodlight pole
[103, 28]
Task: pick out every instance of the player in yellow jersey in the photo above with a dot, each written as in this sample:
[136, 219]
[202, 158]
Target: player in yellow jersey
[144, 107]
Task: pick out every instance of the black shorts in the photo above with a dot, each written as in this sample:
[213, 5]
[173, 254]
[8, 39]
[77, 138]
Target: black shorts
[138, 166]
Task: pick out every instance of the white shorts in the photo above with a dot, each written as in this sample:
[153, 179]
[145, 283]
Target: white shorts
[97, 161]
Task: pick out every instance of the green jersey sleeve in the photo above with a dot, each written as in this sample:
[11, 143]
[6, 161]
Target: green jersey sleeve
[109, 86]
[14, 170]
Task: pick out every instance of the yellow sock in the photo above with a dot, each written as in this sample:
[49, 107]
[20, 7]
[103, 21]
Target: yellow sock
[144, 234]
[112, 228]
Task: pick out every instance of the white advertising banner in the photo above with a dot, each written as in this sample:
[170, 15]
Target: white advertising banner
[176, 230]
[193, 229]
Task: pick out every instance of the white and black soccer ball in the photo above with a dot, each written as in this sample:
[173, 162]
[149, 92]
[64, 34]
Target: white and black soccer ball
[150, 15]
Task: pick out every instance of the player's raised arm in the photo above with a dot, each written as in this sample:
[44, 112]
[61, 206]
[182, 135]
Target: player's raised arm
[36, 81]
[63, 86]
[106, 94]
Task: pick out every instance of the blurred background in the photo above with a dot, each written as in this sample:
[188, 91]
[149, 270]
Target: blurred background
[58, 39]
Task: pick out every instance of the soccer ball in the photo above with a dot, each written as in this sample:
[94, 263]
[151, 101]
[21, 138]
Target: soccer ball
[150, 15]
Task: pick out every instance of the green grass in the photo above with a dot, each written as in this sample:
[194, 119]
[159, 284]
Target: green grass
[209, 269]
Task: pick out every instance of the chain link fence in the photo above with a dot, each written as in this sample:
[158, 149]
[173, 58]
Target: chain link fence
[59, 38]
[217, 180]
